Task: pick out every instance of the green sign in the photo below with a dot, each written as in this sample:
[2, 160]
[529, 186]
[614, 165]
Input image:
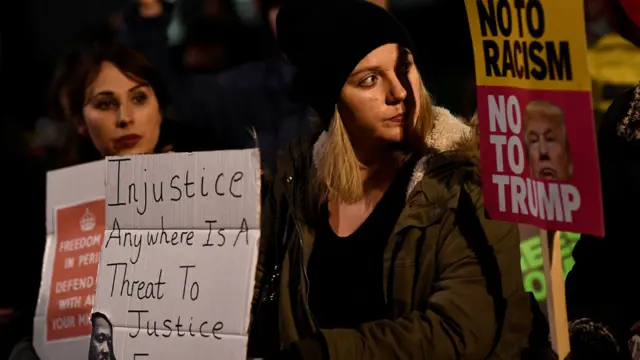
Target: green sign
[532, 263]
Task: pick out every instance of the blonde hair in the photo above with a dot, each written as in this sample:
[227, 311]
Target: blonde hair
[339, 170]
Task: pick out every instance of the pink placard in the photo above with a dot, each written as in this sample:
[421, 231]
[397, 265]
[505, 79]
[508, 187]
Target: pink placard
[539, 158]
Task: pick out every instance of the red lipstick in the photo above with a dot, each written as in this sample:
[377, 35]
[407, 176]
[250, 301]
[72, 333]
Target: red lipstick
[127, 141]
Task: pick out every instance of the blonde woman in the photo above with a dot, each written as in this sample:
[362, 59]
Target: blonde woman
[375, 243]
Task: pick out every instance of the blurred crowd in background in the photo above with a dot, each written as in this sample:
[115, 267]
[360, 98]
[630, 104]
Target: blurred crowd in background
[224, 72]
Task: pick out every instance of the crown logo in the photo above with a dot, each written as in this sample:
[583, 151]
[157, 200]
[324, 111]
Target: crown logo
[87, 221]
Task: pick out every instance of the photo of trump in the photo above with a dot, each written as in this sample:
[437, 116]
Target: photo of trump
[546, 141]
[101, 343]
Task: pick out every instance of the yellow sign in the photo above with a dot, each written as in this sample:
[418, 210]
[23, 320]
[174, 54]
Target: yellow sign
[529, 44]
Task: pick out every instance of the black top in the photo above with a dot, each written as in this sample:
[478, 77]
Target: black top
[345, 273]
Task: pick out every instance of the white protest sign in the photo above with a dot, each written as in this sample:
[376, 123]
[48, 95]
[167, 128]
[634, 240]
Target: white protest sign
[75, 214]
[179, 256]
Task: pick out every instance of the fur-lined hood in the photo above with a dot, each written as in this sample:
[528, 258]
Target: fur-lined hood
[450, 134]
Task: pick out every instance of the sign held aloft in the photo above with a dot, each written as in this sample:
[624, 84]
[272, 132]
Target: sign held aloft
[538, 148]
[179, 255]
[537, 133]
[158, 261]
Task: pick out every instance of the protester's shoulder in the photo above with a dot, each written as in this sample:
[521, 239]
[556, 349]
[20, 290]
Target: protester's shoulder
[24, 350]
[453, 162]
[452, 180]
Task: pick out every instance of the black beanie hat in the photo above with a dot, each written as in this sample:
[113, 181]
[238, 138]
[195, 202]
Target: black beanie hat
[326, 39]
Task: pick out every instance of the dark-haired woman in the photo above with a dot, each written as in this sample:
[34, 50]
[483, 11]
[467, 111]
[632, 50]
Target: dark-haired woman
[117, 104]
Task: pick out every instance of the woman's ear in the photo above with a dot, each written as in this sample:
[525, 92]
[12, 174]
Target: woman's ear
[167, 112]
